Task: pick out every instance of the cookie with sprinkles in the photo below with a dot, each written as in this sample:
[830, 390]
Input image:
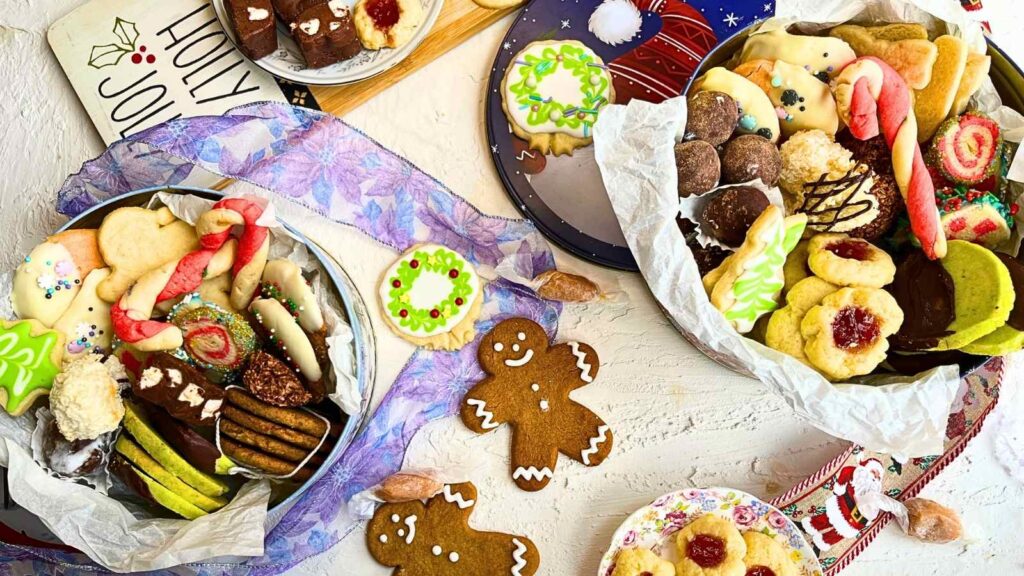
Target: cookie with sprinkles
[553, 93]
[431, 296]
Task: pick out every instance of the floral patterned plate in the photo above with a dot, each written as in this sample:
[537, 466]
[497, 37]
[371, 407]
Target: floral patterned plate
[287, 63]
[655, 525]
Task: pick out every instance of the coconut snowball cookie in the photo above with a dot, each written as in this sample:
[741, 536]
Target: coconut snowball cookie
[553, 93]
[431, 296]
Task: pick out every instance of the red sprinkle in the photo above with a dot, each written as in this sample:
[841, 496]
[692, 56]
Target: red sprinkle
[850, 249]
[414, 263]
[459, 301]
[396, 283]
[854, 327]
[1014, 208]
[403, 313]
[453, 273]
[706, 551]
[434, 313]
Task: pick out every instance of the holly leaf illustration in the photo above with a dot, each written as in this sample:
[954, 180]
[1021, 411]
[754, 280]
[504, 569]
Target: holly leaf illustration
[126, 32]
[106, 55]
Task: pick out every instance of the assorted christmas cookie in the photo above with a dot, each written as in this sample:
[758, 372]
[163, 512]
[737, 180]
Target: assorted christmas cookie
[966, 148]
[431, 296]
[286, 336]
[527, 386]
[756, 112]
[698, 167]
[711, 116]
[824, 57]
[45, 283]
[641, 562]
[975, 216]
[730, 213]
[213, 339]
[553, 93]
[751, 157]
[30, 359]
[180, 389]
[766, 557]
[326, 34]
[983, 294]
[846, 261]
[933, 102]
[435, 538]
[802, 101]
[748, 283]
[254, 26]
[783, 330]
[912, 58]
[385, 23]
[710, 546]
[86, 323]
[847, 334]
[283, 281]
[924, 291]
[86, 397]
[1010, 336]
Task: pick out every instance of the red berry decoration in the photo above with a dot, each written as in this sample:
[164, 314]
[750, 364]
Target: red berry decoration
[434, 313]
[453, 273]
[142, 48]
[136, 58]
[396, 283]
[1014, 208]
[414, 263]
[403, 312]
[459, 301]
[150, 59]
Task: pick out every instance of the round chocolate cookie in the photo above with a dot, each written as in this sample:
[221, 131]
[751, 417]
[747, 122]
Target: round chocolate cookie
[748, 157]
[890, 206]
[708, 258]
[698, 166]
[729, 215]
[711, 116]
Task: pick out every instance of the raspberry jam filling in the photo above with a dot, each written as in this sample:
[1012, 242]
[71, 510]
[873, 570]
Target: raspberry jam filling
[706, 551]
[384, 13]
[854, 327]
[850, 249]
[760, 571]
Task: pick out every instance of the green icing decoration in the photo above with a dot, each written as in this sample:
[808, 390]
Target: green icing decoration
[593, 87]
[440, 261]
[758, 287]
[26, 363]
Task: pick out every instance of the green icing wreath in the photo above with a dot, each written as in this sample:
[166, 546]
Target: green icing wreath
[593, 87]
[440, 261]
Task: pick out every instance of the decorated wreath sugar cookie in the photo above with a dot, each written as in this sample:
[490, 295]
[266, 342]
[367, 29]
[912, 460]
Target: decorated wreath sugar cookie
[552, 94]
[431, 296]
[30, 358]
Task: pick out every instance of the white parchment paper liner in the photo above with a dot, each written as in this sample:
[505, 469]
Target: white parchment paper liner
[900, 415]
[119, 535]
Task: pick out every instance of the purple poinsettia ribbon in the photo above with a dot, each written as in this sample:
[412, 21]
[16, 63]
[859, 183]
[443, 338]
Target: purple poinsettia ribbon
[321, 163]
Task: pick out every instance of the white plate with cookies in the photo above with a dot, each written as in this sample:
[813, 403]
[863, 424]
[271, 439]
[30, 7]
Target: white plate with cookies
[287, 62]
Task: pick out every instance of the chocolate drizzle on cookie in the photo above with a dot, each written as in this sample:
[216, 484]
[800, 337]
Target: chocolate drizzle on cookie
[823, 217]
[925, 292]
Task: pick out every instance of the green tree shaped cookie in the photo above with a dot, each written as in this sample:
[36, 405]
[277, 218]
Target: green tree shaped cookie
[30, 358]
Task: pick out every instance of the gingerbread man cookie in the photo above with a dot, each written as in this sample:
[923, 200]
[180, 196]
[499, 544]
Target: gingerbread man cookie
[435, 539]
[528, 386]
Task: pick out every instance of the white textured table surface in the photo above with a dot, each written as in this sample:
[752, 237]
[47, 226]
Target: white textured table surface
[680, 420]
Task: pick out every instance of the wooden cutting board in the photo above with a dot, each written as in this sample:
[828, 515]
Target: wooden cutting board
[459, 20]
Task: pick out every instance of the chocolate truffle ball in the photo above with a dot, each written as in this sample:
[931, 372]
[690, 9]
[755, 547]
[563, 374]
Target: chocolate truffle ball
[708, 257]
[698, 166]
[711, 116]
[749, 157]
[729, 215]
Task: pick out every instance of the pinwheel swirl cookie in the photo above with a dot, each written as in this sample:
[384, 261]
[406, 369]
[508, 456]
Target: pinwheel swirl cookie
[431, 296]
[552, 94]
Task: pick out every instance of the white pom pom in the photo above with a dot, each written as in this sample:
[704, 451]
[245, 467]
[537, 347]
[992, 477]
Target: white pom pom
[615, 22]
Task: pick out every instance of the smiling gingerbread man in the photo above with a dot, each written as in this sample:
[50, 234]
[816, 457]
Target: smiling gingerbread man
[528, 386]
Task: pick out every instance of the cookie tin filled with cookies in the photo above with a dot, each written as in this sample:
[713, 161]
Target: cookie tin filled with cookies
[187, 355]
[833, 204]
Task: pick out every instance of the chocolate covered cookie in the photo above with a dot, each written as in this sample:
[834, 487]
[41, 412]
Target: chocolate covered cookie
[698, 167]
[711, 116]
[749, 157]
[729, 214]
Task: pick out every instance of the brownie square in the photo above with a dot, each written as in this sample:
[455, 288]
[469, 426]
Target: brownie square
[325, 34]
[254, 26]
[290, 10]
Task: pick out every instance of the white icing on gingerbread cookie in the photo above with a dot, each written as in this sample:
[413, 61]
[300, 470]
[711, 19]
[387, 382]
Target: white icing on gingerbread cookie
[457, 498]
[595, 443]
[486, 417]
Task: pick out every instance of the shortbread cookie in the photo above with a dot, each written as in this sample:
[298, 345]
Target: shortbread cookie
[757, 114]
[385, 23]
[913, 59]
[431, 296]
[84, 247]
[783, 330]
[796, 268]
[86, 324]
[766, 556]
[802, 101]
[899, 31]
[435, 538]
[710, 546]
[527, 386]
[641, 562]
[933, 103]
[975, 73]
[30, 358]
[847, 334]
[134, 241]
[748, 283]
[983, 294]
[846, 261]
[553, 93]
[822, 56]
